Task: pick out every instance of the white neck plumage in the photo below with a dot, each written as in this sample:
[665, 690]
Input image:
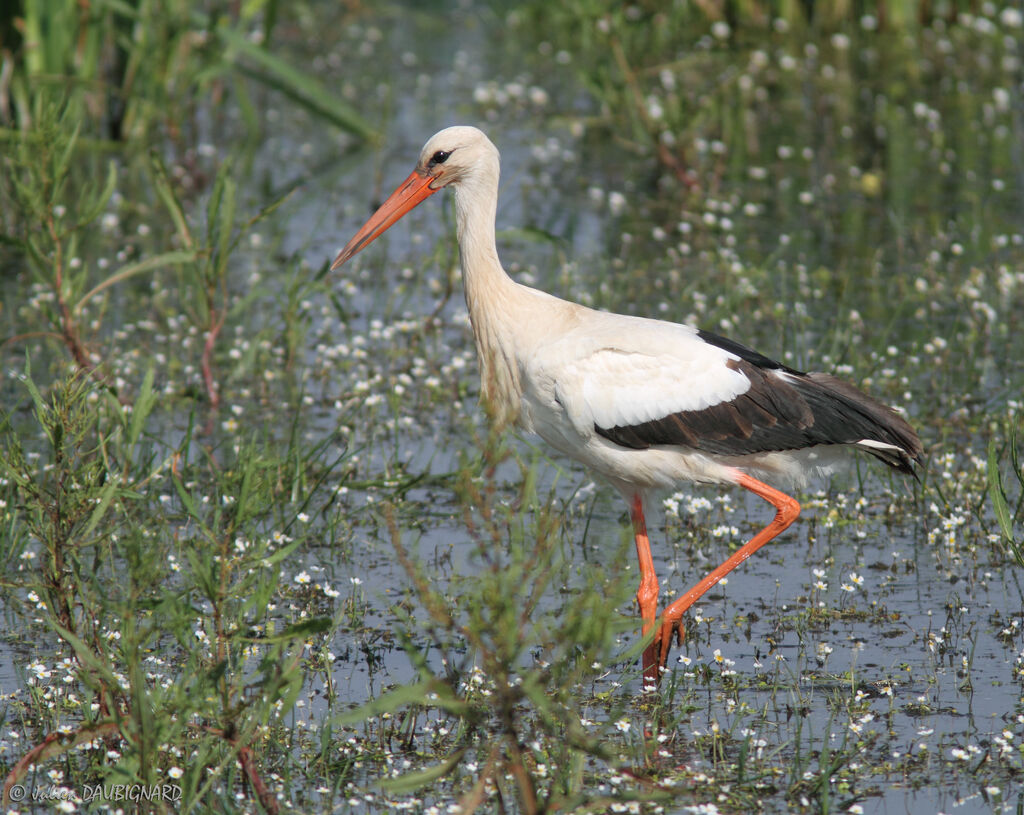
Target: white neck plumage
[491, 295]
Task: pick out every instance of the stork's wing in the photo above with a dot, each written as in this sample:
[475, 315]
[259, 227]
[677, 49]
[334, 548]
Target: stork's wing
[706, 393]
[621, 372]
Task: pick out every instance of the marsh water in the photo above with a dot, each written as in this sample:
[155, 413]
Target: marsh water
[848, 199]
[841, 240]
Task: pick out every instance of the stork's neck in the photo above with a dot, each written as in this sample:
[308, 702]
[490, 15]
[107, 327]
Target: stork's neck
[491, 295]
[476, 207]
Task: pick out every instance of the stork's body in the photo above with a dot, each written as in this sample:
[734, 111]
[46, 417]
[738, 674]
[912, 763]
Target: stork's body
[643, 403]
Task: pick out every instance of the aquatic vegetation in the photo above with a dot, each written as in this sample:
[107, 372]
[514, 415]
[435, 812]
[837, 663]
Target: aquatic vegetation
[337, 590]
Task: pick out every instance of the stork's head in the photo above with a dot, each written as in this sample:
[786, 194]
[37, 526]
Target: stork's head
[454, 155]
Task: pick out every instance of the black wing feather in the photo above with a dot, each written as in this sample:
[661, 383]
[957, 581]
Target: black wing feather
[743, 352]
[784, 409]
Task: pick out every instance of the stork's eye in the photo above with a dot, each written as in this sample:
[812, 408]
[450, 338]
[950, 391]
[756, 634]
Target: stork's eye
[440, 157]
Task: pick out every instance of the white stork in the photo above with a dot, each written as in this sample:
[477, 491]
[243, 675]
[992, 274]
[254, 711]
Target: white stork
[644, 403]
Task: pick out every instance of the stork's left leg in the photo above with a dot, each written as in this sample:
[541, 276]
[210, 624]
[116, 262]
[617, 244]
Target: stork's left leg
[786, 511]
[647, 594]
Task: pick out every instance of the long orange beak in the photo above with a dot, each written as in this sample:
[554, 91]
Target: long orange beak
[410, 192]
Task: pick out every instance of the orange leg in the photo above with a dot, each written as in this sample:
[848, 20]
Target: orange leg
[647, 594]
[787, 510]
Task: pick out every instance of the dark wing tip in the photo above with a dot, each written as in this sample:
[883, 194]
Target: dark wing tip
[889, 427]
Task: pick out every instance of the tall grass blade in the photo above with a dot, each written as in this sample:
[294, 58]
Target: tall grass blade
[1000, 505]
[147, 265]
[143, 407]
[165, 190]
[273, 71]
[94, 210]
[106, 496]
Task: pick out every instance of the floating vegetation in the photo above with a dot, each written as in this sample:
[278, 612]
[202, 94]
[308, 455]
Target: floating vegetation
[258, 543]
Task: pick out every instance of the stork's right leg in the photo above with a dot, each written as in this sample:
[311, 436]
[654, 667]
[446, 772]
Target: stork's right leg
[786, 511]
[647, 594]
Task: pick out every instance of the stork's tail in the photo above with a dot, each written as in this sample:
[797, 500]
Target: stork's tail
[882, 431]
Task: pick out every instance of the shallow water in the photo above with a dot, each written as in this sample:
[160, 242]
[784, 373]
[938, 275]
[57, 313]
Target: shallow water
[932, 634]
[863, 219]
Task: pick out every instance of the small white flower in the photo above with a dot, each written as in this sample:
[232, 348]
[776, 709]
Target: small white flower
[40, 670]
